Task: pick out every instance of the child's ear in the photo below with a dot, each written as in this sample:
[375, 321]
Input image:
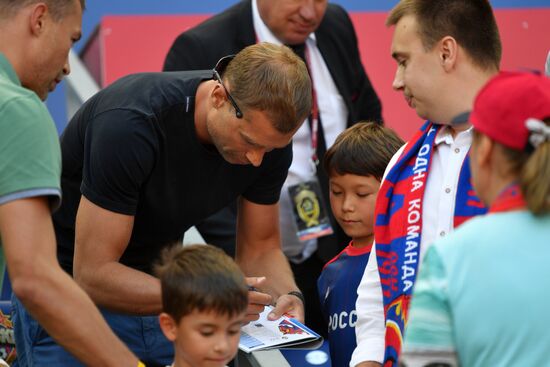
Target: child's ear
[168, 326]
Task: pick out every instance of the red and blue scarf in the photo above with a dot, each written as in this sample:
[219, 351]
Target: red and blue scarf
[398, 229]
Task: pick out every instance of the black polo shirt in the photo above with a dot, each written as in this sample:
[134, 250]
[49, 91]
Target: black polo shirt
[133, 149]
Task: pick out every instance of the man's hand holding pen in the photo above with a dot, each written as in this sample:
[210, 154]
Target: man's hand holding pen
[291, 304]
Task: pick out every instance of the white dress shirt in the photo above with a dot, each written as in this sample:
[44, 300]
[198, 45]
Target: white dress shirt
[334, 116]
[437, 218]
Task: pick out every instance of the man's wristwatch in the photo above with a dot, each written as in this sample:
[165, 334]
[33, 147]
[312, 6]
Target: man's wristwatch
[299, 295]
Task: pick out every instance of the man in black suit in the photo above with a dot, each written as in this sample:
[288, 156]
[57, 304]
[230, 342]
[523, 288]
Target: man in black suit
[323, 34]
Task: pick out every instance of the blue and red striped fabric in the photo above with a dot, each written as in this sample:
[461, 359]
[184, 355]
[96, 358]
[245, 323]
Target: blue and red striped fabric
[398, 229]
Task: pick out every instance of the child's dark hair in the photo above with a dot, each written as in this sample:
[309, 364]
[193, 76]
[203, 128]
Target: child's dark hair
[202, 278]
[365, 149]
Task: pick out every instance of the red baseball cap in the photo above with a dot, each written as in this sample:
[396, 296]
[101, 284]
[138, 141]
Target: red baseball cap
[505, 104]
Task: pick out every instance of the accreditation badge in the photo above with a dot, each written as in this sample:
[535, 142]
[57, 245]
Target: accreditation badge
[310, 214]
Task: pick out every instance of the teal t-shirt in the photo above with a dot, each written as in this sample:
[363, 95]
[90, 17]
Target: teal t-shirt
[483, 292]
[30, 163]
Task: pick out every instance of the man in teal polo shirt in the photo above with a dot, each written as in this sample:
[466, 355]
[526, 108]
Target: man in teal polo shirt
[35, 39]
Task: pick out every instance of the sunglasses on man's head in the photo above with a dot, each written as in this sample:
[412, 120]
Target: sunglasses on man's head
[218, 70]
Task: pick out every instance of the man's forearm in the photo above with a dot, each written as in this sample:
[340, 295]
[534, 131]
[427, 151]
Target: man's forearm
[259, 254]
[101, 238]
[274, 266]
[120, 288]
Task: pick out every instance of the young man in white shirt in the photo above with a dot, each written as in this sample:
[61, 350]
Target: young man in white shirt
[446, 51]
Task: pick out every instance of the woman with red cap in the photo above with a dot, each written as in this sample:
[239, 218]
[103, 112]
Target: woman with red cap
[482, 294]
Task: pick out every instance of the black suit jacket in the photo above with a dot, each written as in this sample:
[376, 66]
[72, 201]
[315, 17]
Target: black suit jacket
[232, 30]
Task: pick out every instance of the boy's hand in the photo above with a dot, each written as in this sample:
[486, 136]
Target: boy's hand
[290, 306]
[257, 300]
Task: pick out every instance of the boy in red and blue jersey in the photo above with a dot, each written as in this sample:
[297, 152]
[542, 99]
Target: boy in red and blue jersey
[355, 165]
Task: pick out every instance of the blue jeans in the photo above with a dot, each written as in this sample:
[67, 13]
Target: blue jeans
[35, 347]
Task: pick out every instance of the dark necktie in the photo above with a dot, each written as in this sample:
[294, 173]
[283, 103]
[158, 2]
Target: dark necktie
[300, 50]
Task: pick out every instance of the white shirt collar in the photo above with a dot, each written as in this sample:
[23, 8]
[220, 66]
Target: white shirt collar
[445, 135]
